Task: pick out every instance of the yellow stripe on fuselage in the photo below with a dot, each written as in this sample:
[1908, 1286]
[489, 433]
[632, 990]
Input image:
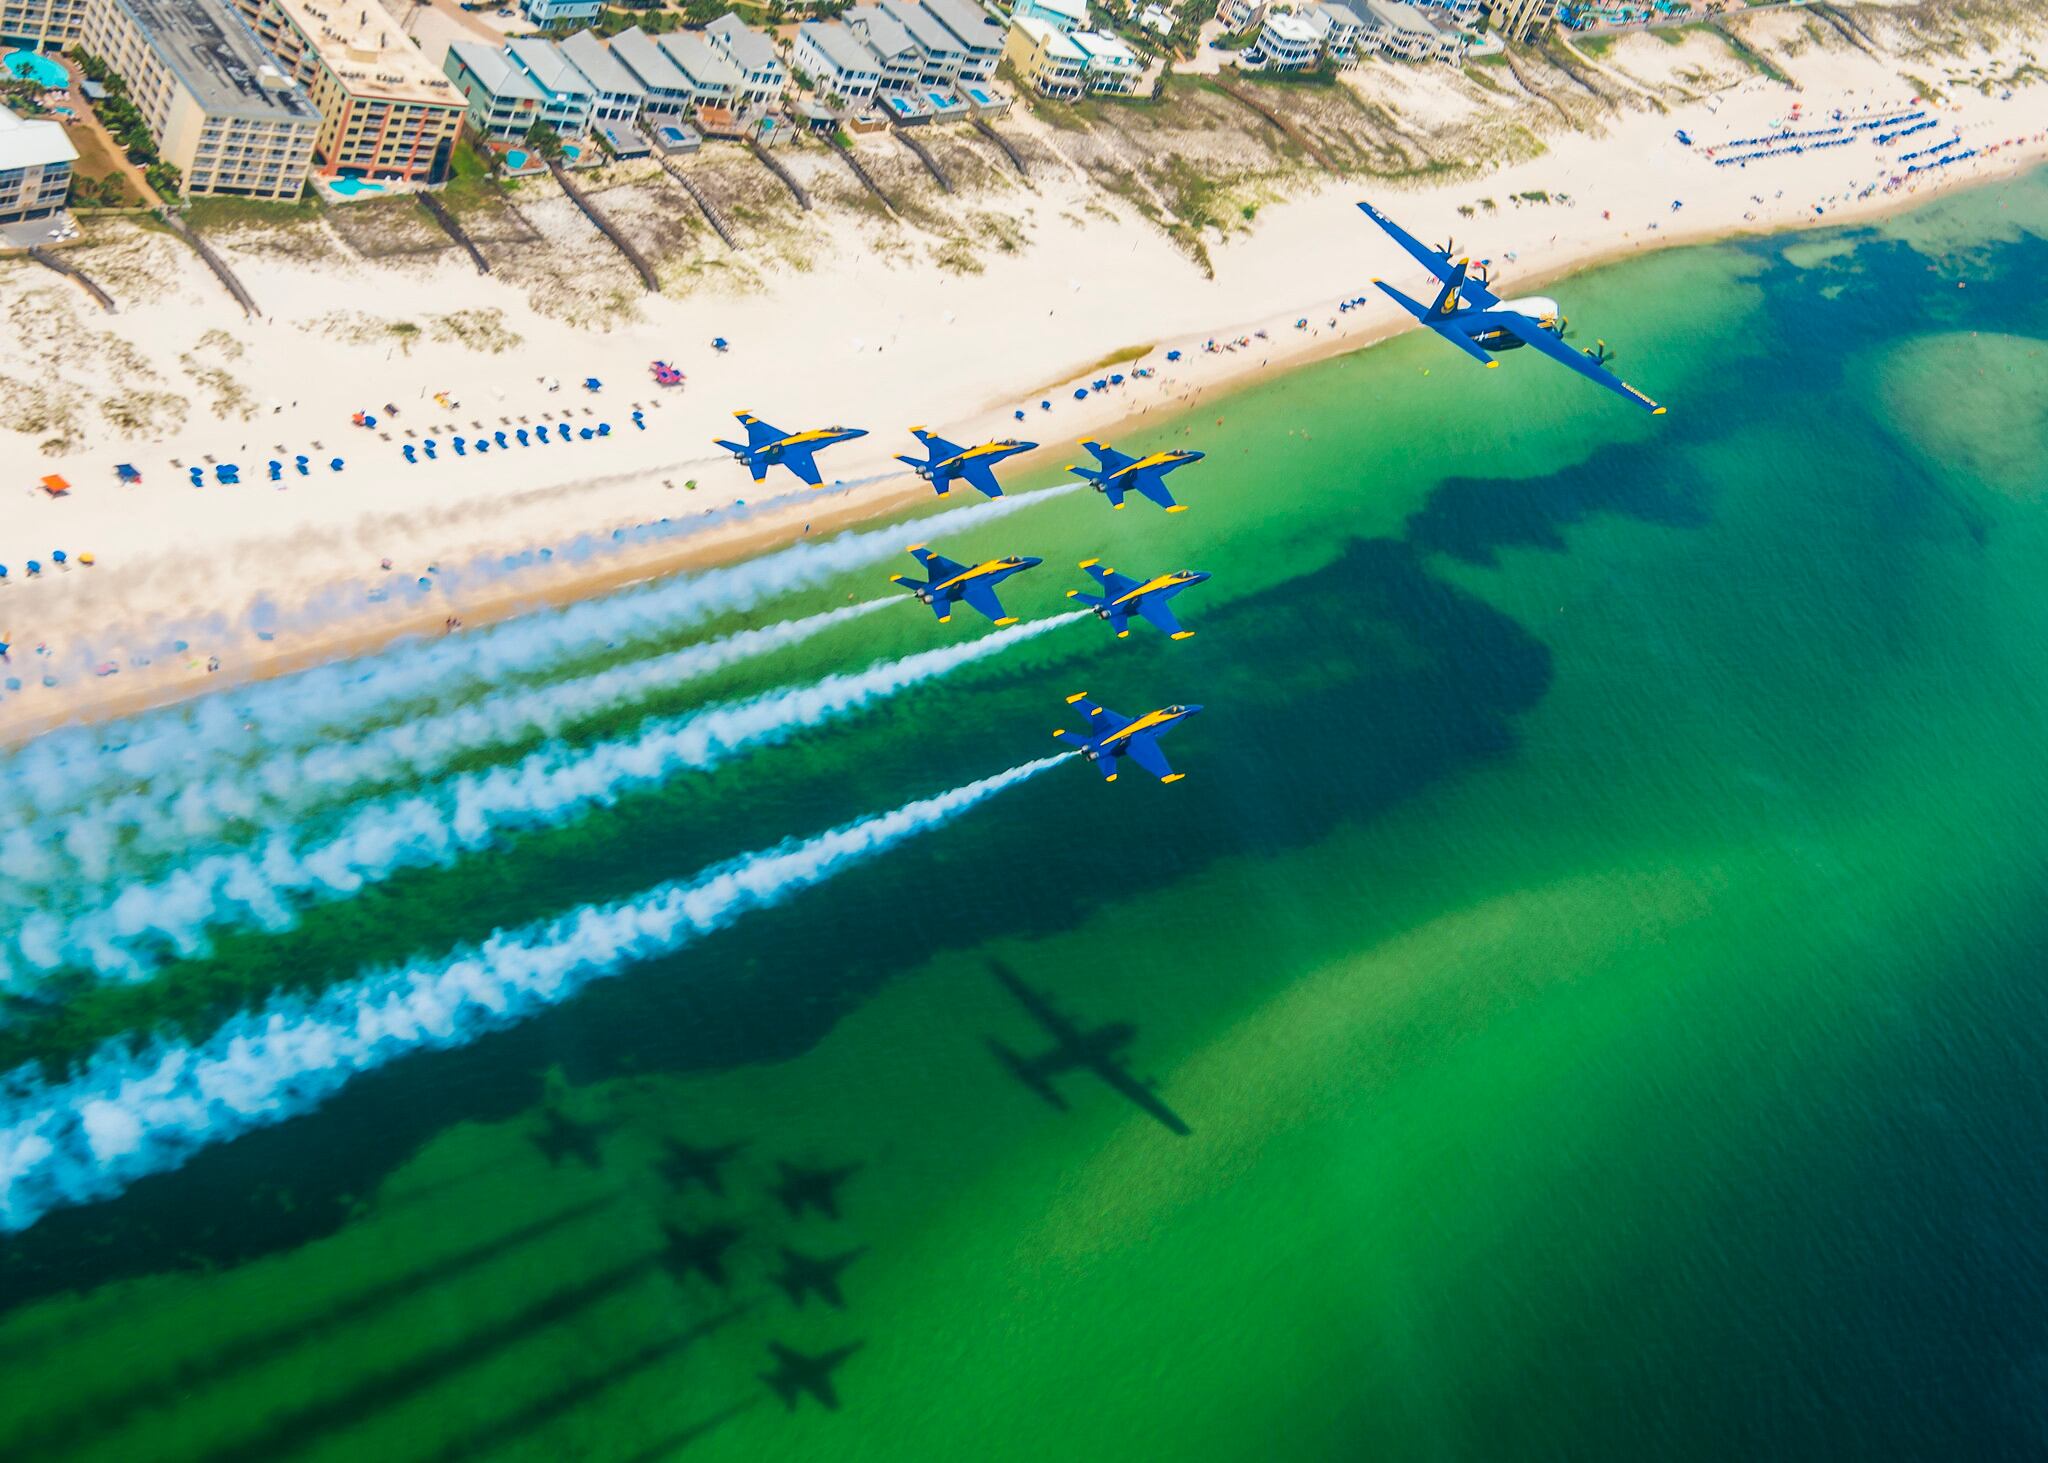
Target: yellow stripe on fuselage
[816, 434]
[1157, 459]
[976, 572]
[1146, 722]
[1146, 588]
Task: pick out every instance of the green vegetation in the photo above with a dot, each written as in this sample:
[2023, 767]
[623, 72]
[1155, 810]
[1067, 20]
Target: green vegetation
[1927, 89]
[1754, 59]
[227, 213]
[544, 140]
[123, 120]
[1595, 46]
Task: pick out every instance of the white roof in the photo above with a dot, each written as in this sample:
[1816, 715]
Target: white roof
[969, 22]
[32, 144]
[1105, 49]
[748, 48]
[1074, 10]
[1057, 42]
[1396, 16]
[1342, 14]
[1283, 26]
[883, 32]
[495, 72]
[837, 43]
[551, 71]
[637, 51]
[599, 67]
[703, 63]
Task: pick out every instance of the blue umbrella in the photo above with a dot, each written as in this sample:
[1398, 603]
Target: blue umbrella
[1020, 414]
[499, 438]
[34, 568]
[429, 446]
[604, 429]
[585, 433]
[276, 469]
[57, 556]
[1079, 392]
[718, 343]
[1116, 380]
[1173, 355]
[591, 383]
[412, 453]
[1045, 406]
[525, 437]
[334, 464]
[481, 445]
[3, 571]
[461, 447]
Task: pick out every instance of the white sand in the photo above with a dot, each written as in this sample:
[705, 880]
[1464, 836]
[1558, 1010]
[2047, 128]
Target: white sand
[864, 339]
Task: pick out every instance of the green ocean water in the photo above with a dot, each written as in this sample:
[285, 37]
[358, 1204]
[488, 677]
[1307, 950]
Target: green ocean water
[1597, 948]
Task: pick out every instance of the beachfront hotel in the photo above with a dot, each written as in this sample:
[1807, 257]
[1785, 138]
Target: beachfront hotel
[35, 168]
[221, 109]
[41, 25]
[385, 113]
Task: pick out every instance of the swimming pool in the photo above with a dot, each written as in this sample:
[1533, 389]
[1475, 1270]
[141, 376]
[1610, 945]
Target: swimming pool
[515, 159]
[350, 187]
[28, 66]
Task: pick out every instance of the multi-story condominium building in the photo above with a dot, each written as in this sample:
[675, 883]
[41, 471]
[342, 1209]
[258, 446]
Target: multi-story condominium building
[221, 109]
[567, 101]
[1288, 41]
[35, 168]
[837, 61]
[981, 39]
[1046, 59]
[667, 91]
[41, 25]
[557, 12]
[1341, 25]
[617, 94]
[503, 101]
[762, 74]
[384, 112]
[1112, 68]
[1062, 15]
[1517, 20]
[901, 61]
[714, 81]
[941, 51]
[1396, 29]
[1462, 11]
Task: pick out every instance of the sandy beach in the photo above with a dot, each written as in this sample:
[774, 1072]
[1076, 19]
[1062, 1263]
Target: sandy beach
[261, 577]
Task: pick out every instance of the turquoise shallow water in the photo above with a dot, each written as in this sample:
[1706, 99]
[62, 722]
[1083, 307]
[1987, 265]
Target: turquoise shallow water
[1596, 949]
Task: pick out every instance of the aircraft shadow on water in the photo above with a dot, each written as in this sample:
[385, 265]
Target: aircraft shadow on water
[563, 1137]
[796, 1374]
[801, 1188]
[805, 1275]
[684, 1164]
[1096, 1051]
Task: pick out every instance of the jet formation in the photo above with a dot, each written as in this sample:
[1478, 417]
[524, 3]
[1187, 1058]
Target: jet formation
[1467, 313]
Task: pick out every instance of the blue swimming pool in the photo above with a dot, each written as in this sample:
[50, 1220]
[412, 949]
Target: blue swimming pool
[515, 159]
[28, 66]
[350, 187]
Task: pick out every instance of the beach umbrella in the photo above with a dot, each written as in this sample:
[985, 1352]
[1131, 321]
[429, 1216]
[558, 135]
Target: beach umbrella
[1079, 392]
[276, 469]
[499, 438]
[1116, 380]
[1173, 355]
[525, 437]
[481, 445]
[58, 557]
[718, 343]
[591, 383]
[1019, 414]
[3, 571]
[34, 568]
[639, 421]
[87, 559]
[412, 453]
[334, 464]
[127, 473]
[604, 429]
[585, 433]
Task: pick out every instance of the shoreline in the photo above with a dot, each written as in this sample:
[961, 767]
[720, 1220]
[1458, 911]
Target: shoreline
[1184, 386]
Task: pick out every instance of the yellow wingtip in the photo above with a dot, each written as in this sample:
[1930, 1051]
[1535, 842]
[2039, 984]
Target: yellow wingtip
[1493, 365]
[1656, 411]
[1173, 777]
[1123, 634]
[1183, 634]
[1178, 508]
[1072, 592]
[945, 619]
[1006, 620]
[1075, 697]
[1088, 563]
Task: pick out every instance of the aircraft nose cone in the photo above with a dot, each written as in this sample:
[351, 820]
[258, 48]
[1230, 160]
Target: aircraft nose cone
[1190, 710]
[1029, 562]
[1197, 576]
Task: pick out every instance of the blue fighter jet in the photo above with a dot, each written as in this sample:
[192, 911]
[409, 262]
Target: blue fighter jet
[1123, 597]
[953, 583]
[1468, 314]
[950, 463]
[765, 446]
[1119, 473]
[1110, 737]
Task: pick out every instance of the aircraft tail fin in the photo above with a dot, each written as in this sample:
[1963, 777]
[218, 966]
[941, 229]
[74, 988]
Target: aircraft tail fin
[1447, 297]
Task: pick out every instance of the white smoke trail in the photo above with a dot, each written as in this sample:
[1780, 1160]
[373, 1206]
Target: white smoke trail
[127, 1114]
[66, 770]
[264, 886]
[123, 833]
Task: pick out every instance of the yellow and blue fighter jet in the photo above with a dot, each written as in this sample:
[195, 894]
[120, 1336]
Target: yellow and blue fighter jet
[1123, 597]
[950, 463]
[1468, 314]
[765, 446]
[1119, 473]
[1111, 737]
[952, 583]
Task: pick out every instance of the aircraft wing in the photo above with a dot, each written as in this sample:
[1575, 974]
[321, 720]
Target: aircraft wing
[1108, 456]
[1530, 333]
[1144, 750]
[980, 596]
[1102, 722]
[1151, 483]
[1153, 608]
[759, 433]
[1436, 261]
[940, 448]
[1114, 585]
[938, 566]
[800, 461]
[978, 473]
[1124, 1085]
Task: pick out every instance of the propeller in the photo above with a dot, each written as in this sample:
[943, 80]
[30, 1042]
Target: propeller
[1449, 248]
[1599, 353]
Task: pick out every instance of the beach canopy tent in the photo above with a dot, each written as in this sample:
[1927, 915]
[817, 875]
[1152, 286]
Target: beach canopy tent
[55, 486]
[127, 472]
